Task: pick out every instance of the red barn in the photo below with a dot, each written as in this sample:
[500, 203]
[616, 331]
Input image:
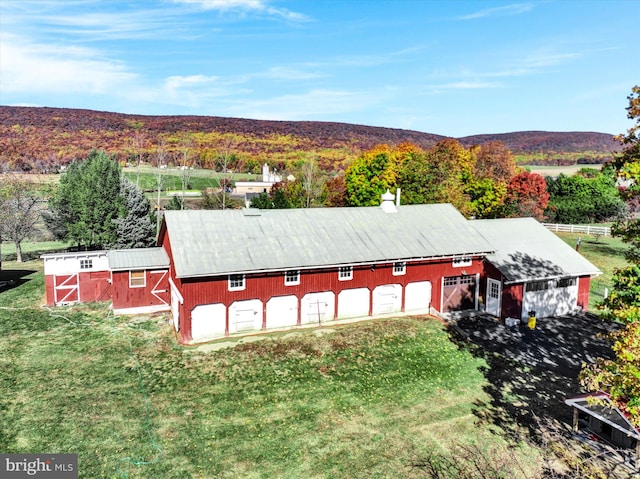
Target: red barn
[236, 271]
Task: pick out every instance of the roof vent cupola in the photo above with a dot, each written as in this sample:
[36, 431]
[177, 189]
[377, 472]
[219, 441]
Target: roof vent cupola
[388, 203]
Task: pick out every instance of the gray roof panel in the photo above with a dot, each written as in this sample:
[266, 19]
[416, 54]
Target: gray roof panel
[527, 251]
[210, 242]
[139, 258]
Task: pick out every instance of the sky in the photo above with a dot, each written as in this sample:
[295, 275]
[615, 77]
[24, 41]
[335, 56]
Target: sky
[448, 67]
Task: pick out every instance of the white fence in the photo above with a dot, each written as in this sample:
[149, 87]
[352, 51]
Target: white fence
[586, 229]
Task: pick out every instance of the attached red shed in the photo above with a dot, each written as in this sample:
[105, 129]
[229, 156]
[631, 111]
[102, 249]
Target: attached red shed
[140, 280]
[532, 269]
[135, 280]
[76, 277]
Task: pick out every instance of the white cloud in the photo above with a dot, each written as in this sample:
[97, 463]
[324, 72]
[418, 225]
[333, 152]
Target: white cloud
[41, 68]
[256, 6]
[513, 9]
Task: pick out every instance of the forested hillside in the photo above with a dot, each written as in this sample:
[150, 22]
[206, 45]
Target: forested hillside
[34, 139]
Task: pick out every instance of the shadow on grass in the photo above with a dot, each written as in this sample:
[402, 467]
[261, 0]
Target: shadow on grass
[12, 278]
[530, 373]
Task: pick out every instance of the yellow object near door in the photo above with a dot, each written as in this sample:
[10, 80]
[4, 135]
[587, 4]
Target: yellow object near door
[532, 320]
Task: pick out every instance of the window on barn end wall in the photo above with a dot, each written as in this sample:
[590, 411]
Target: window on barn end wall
[566, 282]
[537, 286]
[236, 282]
[291, 278]
[137, 279]
[345, 273]
[86, 263]
[399, 268]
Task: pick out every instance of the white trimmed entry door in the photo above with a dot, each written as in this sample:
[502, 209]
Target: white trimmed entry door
[494, 293]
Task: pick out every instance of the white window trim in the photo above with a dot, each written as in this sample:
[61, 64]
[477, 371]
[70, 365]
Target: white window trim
[237, 288]
[345, 273]
[144, 278]
[401, 268]
[294, 281]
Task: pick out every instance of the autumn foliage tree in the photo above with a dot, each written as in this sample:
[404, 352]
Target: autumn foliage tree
[620, 377]
[527, 195]
[370, 175]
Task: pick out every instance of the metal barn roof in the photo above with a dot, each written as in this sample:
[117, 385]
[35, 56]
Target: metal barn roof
[140, 258]
[205, 243]
[527, 251]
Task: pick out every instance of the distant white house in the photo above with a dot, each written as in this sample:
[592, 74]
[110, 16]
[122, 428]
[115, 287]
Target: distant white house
[249, 189]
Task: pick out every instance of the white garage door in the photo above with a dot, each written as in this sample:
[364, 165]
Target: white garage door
[317, 307]
[208, 321]
[387, 298]
[353, 303]
[550, 297]
[245, 316]
[282, 311]
[417, 297]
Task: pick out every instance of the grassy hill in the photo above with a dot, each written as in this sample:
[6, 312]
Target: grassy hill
[41, 139]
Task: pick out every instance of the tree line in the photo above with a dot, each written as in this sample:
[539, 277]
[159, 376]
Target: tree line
[95, 206]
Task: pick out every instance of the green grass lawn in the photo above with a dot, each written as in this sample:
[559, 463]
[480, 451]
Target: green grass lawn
[366, 400]
[32, 249]
[198, 180]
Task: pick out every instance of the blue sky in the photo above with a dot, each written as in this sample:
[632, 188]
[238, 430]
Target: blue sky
[452, 67]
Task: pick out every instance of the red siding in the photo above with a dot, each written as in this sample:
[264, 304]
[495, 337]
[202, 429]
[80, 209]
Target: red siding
[93, 286]
[197, 291]
[124, 296]
[512, 300]
[584, 283]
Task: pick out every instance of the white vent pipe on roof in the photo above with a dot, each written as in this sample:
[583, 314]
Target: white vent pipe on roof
[387, 203]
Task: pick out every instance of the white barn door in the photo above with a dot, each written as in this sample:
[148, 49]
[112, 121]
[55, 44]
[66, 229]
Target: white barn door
[353, 303]
[317, 307]
[208, 321]
[417, 297]
[245, 316]
[387, 299]
[282, 311]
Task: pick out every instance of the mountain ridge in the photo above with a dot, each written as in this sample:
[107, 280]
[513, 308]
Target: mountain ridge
[32, 136]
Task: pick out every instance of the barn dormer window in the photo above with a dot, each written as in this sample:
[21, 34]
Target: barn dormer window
[345, 273]
[462, 261]
[399, 268]
[236, 282]
[291, 278]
